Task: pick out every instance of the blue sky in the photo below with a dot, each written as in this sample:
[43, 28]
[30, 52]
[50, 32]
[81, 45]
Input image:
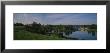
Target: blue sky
[56, 18]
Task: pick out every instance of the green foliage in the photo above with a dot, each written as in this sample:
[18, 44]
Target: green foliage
[25, 35]
[36, 31]
[93, 26]
[45, 29]
[18, 24]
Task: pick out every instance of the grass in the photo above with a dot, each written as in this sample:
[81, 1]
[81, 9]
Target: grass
[21, 34]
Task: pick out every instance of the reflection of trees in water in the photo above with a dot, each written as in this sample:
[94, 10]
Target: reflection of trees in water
[92, 33]
[67, 33]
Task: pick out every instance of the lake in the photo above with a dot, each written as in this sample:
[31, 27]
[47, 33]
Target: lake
[82, 35]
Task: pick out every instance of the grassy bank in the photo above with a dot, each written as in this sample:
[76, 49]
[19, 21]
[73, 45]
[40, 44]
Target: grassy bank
[25, 35]
[31, 33]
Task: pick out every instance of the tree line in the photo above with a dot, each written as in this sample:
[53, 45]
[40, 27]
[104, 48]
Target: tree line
[46, 29]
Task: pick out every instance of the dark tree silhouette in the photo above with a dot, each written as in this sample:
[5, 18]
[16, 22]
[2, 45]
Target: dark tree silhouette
[19, 24]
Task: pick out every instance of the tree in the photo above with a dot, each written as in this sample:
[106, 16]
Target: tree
[93, 26]
[19, 24]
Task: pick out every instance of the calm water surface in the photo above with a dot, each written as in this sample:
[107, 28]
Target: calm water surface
[82, 35]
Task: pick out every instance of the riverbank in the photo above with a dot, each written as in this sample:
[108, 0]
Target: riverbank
[25, 35]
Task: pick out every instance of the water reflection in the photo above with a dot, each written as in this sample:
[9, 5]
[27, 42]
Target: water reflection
[92, 32]
[81, 35]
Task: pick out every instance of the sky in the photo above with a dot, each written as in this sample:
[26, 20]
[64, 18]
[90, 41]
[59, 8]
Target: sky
[56, 18]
